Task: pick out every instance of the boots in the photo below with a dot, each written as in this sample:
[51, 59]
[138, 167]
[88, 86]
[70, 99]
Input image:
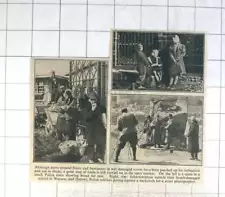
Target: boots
[192, 156]
[134, 153]
[196, 156]
[117, 155]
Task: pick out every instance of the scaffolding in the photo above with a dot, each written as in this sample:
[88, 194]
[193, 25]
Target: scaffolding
[89, 75]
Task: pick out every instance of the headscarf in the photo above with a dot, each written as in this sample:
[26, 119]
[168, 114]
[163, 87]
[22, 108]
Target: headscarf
[176, 39]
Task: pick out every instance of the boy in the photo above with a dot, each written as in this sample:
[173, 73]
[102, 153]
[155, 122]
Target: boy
[156, 66]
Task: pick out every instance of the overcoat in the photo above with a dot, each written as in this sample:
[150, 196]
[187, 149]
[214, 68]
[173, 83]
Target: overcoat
[176, 54]
[193, 137]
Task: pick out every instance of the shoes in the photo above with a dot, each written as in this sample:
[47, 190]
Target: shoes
[100, 160]
[171, 88]
[192, 158]
[141, 88]
[91, 161]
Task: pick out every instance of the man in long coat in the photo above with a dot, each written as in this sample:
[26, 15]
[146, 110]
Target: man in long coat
[143, 66]
[164, 56]
[54, 87]
[193, 138]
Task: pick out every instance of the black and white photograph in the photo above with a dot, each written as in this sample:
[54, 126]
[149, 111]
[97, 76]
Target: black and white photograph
[156, 129]
[157, 61]
[70, 110]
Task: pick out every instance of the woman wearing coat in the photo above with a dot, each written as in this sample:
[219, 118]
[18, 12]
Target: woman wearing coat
[193, 138]
[67, 118]
[176, 65]
[96, 129]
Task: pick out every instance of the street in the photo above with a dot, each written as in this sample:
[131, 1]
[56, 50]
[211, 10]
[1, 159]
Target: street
[153, 156]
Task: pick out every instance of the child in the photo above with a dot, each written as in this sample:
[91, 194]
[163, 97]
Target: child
[156, 67]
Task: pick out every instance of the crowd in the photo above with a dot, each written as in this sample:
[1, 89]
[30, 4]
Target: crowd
[161, 68]
[79, 115]
[157, 133]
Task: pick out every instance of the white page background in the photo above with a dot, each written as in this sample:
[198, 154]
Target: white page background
[80, 28]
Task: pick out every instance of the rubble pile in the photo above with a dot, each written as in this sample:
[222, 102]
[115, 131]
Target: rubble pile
[192, 84]
[44, 145]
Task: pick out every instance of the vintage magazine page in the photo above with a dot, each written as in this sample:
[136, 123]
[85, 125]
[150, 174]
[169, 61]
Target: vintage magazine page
[135, 117]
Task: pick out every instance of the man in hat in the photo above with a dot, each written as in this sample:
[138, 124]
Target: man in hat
[126, 124]
[96, 129]
[53, 85]
[193, 138]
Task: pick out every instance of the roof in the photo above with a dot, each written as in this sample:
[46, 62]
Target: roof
[46, 76]
[124, 71]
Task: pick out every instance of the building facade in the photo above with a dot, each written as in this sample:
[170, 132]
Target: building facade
[89, 75]
[42, 81]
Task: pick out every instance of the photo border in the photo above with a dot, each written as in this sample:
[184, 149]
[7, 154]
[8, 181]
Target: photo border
[205, 58]
[32, 163]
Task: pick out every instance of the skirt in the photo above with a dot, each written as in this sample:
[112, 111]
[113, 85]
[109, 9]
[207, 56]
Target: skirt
[174, 70]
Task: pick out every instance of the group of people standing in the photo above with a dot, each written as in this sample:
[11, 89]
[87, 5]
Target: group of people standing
[80, 115]
[157, 134]
[162, 67]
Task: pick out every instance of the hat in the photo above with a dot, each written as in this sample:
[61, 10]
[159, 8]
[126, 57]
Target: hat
[124, 110]
[148, 116]
[68, 90]
[92, 96]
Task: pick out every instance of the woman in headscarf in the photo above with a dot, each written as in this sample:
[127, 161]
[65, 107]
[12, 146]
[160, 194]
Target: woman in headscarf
[96, 127]
[61, 99]
[176, 53]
